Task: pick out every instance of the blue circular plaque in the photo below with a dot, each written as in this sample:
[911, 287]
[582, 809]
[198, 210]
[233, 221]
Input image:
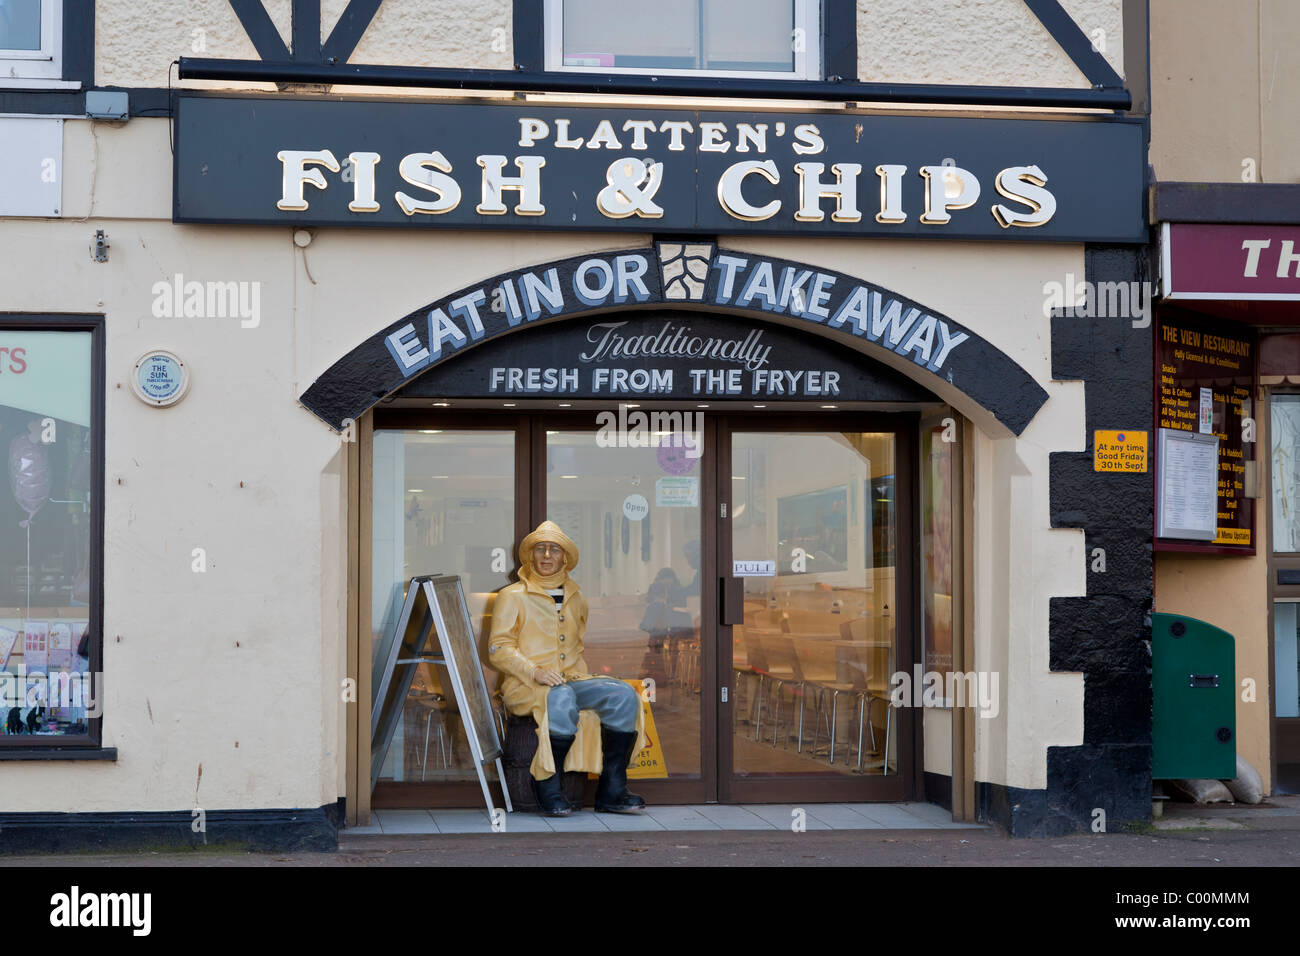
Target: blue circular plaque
[161, 378]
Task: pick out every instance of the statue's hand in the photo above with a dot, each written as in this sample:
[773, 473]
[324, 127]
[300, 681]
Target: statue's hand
[544, 675]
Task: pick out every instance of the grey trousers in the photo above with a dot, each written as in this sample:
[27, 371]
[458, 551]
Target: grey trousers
[615, 702]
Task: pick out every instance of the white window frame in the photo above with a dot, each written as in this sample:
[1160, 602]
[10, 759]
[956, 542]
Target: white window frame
[807, 62]
[43, 67]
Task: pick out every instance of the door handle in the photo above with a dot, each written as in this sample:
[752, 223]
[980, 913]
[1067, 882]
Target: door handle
[731, 601]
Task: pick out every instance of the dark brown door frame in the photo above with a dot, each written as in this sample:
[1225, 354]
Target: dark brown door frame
[715, 782]
[908, 782]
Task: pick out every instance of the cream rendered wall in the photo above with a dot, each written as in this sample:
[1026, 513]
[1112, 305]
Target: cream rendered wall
[136, 40]
[459, 34]
[978, 42]
[994, 42]
[222, 687]
[180, 469]
[272, 585]
[936, 731]
[1020, 561]
[1225, 88]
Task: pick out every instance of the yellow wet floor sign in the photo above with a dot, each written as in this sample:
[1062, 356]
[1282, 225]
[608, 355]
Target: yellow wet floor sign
[650, 762]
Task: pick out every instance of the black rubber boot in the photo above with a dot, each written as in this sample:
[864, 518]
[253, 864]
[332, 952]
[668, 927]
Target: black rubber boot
[612, 795]
[550, 792]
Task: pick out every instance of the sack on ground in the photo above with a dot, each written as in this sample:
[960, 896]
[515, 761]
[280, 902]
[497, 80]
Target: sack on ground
[1200, 791]
[1247, 786]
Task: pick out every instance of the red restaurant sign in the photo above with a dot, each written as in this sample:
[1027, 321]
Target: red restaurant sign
[1230, 262]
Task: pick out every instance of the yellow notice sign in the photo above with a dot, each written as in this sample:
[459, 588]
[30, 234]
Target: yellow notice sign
[650, 762]
[1233, 536]
[1119, 451]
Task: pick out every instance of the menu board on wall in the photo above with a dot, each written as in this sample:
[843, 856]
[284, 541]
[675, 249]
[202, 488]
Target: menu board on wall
[1206, 379]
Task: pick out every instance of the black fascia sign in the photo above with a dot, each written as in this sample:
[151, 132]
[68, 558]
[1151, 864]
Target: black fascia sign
[291, 161]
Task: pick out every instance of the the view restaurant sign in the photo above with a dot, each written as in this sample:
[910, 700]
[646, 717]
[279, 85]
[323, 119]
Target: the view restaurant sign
[284, 161]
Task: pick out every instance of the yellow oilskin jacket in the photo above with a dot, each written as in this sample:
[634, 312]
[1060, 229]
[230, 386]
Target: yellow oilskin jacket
[528, 632]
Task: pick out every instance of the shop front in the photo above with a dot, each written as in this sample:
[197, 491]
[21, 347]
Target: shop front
[744, 501]
[788, 372]
[762, 450]
[1231, 281]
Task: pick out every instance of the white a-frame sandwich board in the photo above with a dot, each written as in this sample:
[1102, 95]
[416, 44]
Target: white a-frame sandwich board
[435, 604]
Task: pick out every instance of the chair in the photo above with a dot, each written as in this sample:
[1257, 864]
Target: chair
[683, 649]
[744, 672]
[756, 654]
[783, 670]
[879, 667]
[818, 666]
[435, 705]
[869, 664]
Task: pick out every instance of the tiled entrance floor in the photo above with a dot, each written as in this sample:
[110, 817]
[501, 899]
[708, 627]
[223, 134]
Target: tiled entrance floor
[817, 816]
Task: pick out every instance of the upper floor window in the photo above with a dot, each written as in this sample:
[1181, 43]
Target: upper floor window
[31, 40]
[767, 39]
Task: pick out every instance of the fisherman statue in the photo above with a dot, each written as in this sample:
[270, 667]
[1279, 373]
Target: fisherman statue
[584, 722]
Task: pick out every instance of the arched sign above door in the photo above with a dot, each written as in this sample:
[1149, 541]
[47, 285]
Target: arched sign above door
[937, 353]
[668, 355]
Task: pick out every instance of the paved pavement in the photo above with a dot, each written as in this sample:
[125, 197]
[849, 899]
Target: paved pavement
[1219, 836]
[812, 816]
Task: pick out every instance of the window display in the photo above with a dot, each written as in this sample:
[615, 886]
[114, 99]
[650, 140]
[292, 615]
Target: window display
[45, 533]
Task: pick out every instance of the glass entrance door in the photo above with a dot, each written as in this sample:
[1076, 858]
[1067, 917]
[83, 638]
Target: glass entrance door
[759, 591]
[635, 513]
[1284, 424]
[815, 574]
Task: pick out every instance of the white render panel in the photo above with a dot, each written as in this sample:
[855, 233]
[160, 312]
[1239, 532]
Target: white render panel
[31, 166]
[976, 42]
[136, 40]
[455, 34]
[936, 729]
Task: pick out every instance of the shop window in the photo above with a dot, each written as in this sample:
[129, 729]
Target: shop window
[1285, 428]
[443, 501]
[1286, 659]
[31, 40]
[50, 532]
[772, 39]
[1284, 434]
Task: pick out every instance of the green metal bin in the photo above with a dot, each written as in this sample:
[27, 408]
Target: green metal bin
[1194, 701]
